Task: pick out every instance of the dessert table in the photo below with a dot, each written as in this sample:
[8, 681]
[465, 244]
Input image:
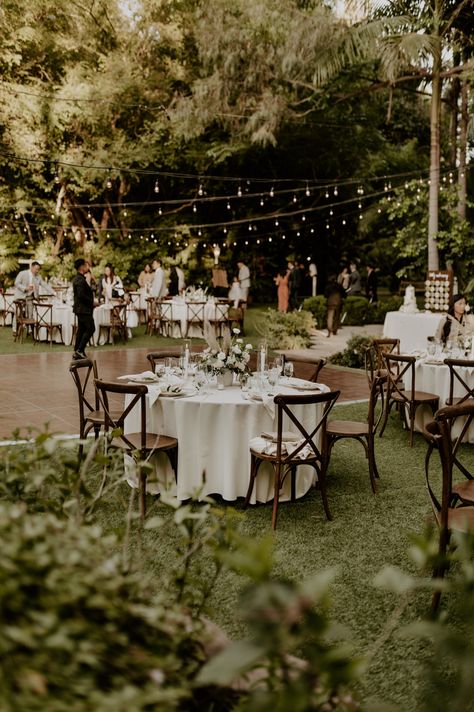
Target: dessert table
[213, 431]
[412, 329]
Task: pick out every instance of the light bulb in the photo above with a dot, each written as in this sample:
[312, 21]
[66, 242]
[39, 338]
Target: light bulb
[157, 187]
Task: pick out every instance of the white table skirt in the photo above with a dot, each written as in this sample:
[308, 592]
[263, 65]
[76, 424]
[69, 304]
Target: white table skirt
[180, 313]
[434, 378]
[102, 318]
[62, 314]
[213, 432]
[412, 329]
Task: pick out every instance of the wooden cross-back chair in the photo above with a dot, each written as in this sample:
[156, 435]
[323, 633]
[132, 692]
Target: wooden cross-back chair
[458, 380]
[304, 368]
[448, 514]
[363, 432]
[312, 440]
[141, 443]
[220, 316]
[155, 357]
[25, 319]
[406, 399]
[167, 318]
[195, 315]
[44, 320]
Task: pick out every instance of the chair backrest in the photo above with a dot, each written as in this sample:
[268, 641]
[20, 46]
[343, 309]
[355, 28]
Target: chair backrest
[84, 372]
[115, 419]
[438, 434]
[165, 309]
[285, 405]
[397, 366]
[24, 310]
[372, 370]
[384, 346]
[220, 310]
[195, 311]
[154, 357]
[118, 315]
[458, 377]
[43, 314]
[302, 367]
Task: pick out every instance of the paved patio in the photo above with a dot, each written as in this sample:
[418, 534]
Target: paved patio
[37, 388]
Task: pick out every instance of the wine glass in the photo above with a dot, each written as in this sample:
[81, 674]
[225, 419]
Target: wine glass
[277, 364]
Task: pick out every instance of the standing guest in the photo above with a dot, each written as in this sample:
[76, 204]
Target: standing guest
[181, 280]
[83, 308]
[27, 286]
[371, 284]
[355, 286]
[110, 284]
[313, 279]
[457, 324]
[28, 283]
[283, 291]
[173, 285]
[344, 277]
[335, 293]
[295, 282]
[145, 278]
[158, 288]
[244, 279]
[235, 293]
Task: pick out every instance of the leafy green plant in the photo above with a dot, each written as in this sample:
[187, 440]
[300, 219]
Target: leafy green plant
[357, 310]
[288, 331]
[318, 308]
[353, 355]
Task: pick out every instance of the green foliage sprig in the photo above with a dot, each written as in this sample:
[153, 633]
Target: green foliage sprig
[288, 331]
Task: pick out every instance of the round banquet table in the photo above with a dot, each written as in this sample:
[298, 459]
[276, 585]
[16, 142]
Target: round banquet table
[213, 432]
[62, 314]
[434, 378]
[102, 318]
[412, 329]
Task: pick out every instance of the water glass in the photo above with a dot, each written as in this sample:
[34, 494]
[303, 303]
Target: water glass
[278, 364]
[288, 369]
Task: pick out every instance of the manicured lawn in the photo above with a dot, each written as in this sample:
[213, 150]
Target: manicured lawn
[367, 533]
[254, 318]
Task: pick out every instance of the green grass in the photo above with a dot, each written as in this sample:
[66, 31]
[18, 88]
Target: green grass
[367, 533]
[254, 317]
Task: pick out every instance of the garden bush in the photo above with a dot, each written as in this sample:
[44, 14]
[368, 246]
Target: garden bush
[353, 355]
[356, 310]
[288, 331]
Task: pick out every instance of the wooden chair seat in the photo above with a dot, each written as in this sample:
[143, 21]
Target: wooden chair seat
[347, 428]
[153, 441]
[418, 397]
[461, 519]
[465, 491]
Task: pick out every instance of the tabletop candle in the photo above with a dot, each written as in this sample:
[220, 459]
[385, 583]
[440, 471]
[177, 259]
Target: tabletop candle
[263, 355]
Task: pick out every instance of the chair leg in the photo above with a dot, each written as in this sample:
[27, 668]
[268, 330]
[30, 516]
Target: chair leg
[173, 459]
[276, 495]
[411, 416]
[322, 487]
[293, 484]
[142, 495]
[373, 473]
[254, 465]
[385, 417]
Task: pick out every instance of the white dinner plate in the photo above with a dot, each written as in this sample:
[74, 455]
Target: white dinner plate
[176, 394]
[143, 380]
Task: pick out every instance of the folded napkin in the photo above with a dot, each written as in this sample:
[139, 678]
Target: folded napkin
[267, 401]
[286, 436]
[145, 377]
[269, 447]
[302, 385]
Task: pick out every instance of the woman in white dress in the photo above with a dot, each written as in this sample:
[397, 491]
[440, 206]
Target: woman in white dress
[457, 325]
[110, 285]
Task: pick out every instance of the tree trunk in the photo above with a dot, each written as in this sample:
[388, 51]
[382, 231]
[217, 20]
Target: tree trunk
[463, 124]
[433, 202]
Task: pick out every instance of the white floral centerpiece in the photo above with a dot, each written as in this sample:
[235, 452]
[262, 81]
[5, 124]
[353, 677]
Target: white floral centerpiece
[228, 355]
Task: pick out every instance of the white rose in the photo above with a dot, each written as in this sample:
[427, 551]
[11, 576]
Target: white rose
[248, 346]
[236, 331]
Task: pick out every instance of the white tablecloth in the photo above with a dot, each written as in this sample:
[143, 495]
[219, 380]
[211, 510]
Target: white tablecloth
[412, 329]
[102, 318]
[433, 378]
[213, 432]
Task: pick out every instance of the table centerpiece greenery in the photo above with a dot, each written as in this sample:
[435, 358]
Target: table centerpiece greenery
[226, 354]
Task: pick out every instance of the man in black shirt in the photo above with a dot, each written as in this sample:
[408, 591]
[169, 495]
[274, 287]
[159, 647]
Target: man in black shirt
[83, 308]
[335, 294]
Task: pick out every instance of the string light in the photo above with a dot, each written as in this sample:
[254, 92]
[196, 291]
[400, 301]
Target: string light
[307, 191]
[157, 186]
[200, 190]
[239, 191]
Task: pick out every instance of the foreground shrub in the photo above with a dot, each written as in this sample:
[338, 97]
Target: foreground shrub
[78, 634]
[288, 331]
